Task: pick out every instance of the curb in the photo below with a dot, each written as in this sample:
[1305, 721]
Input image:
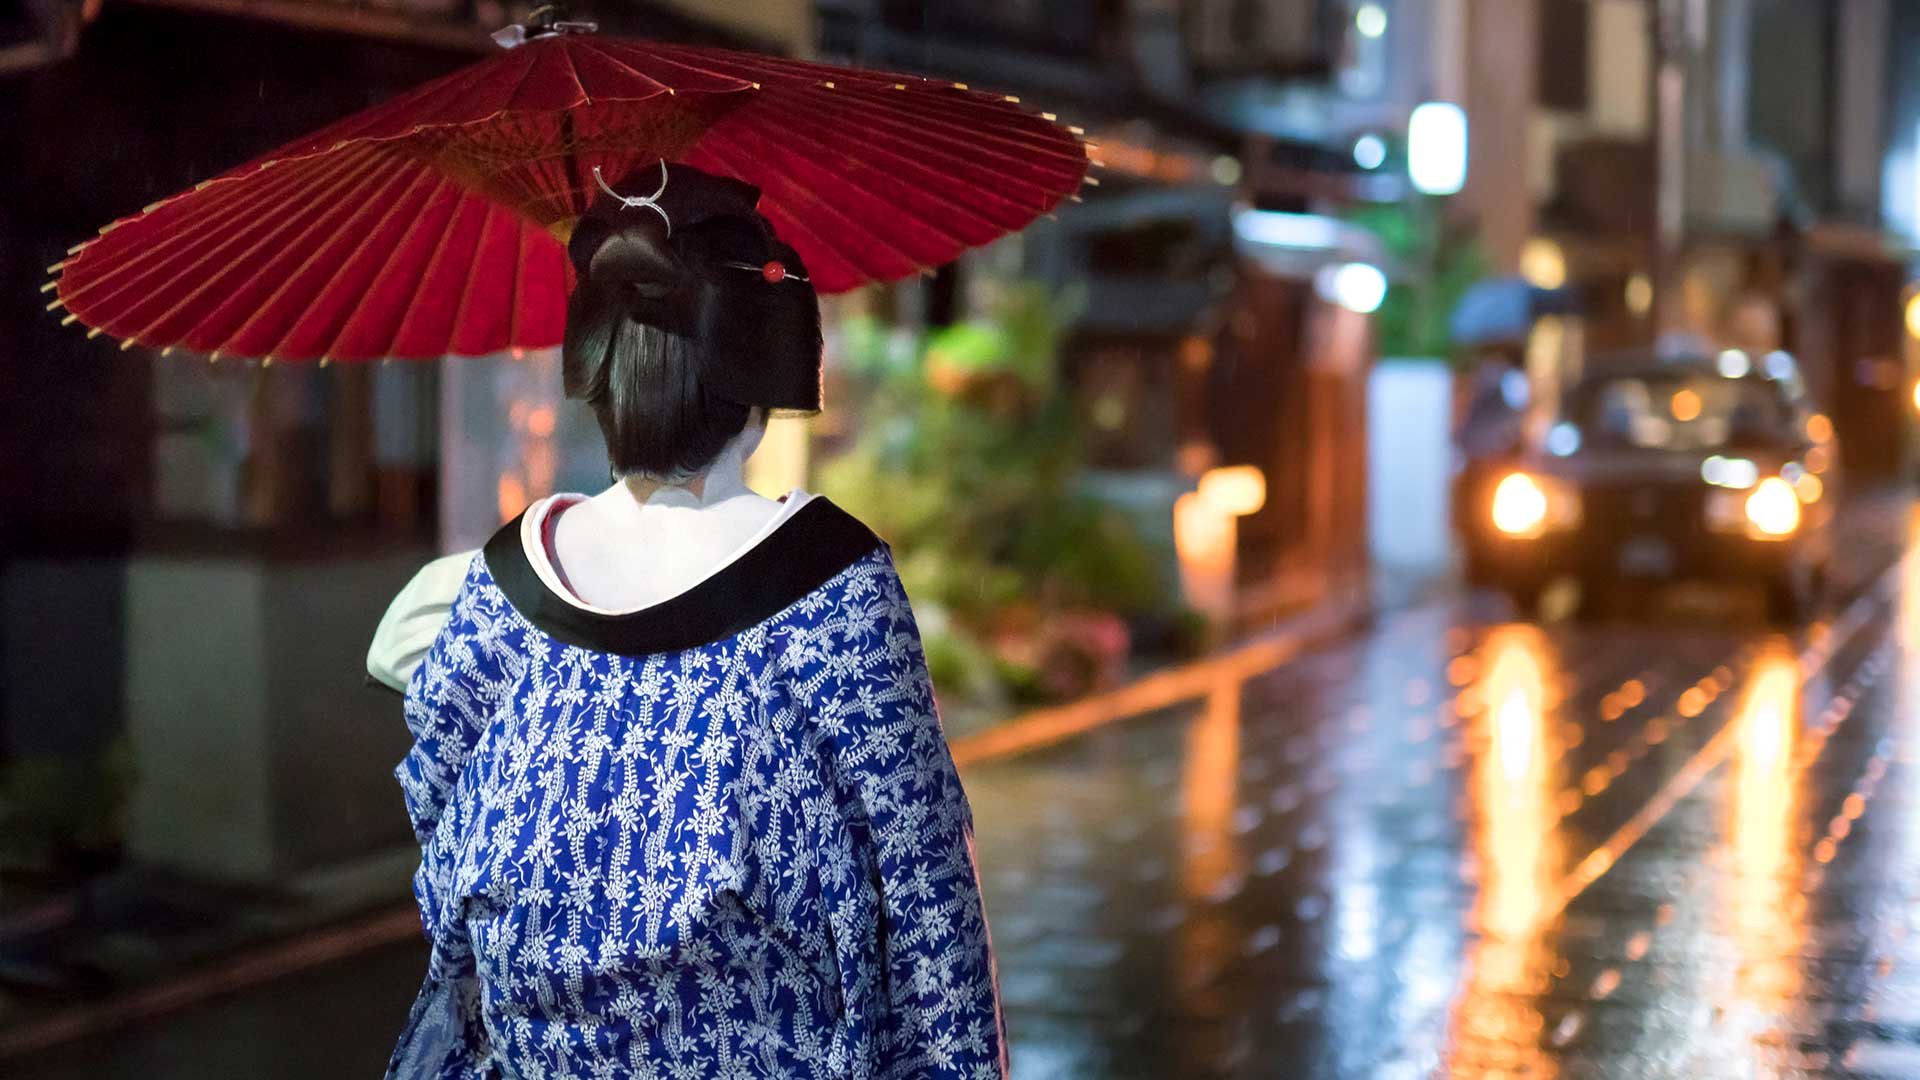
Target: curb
[1043, 727]
[248, 968]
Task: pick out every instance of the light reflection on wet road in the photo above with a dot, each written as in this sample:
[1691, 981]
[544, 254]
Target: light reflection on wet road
[1680, 847]
[1452, 846]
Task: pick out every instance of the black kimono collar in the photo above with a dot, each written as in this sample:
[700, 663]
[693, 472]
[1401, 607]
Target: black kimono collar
[801, 554]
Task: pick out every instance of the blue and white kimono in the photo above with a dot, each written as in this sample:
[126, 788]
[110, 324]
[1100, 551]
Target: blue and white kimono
[718, 837]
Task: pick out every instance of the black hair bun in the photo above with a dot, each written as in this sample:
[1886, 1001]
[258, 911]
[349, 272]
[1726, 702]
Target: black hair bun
[673, 332]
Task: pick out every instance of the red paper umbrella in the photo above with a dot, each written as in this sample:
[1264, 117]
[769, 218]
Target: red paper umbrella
[435, 223]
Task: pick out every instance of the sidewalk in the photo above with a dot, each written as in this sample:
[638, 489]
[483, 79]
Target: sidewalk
[136, 942]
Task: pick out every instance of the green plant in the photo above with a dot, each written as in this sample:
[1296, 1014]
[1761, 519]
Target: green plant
[968, 463]
[1437, 262]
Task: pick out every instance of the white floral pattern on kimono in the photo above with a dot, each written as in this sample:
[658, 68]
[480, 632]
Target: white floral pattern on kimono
[747, 859]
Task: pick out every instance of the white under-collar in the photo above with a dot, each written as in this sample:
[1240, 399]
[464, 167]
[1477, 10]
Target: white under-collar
[533, 532]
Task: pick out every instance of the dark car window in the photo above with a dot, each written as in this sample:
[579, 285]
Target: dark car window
[1681, 411]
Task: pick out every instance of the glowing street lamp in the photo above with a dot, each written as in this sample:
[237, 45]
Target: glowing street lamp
[1358, 287]
[1370, 20]
[1437, 148]
[1205, 535]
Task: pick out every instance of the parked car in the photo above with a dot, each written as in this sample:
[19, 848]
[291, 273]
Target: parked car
[1696, 468]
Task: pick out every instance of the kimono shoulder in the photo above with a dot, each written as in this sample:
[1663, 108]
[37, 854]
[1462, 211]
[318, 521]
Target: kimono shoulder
[806, 552]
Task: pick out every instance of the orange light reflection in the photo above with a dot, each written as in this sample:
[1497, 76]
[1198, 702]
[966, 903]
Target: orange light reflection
[1910, 586]
[1767, 908]
[1210, 857]
[1520, 855]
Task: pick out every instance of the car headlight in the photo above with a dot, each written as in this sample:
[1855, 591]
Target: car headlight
[1526, 506]
[1773, 508]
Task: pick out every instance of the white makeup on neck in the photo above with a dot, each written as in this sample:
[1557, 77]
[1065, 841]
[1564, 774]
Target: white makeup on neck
[640, 542]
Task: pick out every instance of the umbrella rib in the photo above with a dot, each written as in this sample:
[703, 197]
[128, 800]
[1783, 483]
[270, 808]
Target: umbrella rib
[211, 280]
[518, 85]
[937, 140]
[851, 182]
[1013, 212]
[803, 71]
[818, 243]
[801, 194]
[658, 56]
[881, 87]
[959, 114]
[201, 217]
[402, 245]
[878, 109]
[574, 73]
[959, 243]
[427, 272]
[321, 223]
[792, 130]
[422, 122]
[433, 95]
[359, 248]
[514, 288]
[466, 288]
[594, 47]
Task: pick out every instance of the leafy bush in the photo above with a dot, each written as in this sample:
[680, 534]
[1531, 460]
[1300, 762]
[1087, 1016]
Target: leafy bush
[1437, 261]
[967, 464]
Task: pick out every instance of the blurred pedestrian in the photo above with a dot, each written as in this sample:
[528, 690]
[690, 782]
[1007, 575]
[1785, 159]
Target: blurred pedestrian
[683, 799]
[1492, 408]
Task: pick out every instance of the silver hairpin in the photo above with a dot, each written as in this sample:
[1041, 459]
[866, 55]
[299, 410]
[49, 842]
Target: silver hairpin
[631, 202]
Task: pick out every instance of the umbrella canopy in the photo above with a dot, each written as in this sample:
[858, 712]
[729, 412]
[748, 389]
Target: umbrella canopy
[434, 224]
[1502, 309]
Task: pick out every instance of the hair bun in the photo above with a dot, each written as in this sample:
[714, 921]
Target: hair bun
[637, 264]
[673, 199]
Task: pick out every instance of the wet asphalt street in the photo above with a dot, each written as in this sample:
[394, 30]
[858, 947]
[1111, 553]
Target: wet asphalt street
[1673, 844]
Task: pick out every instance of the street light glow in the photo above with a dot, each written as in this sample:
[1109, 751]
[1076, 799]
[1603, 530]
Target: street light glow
[1370, 20]
[1358, 287]
[1234, 490]
[1639, 294]
[1283, 229]
[1369, 151]
[1437, 148]
[1543, 263]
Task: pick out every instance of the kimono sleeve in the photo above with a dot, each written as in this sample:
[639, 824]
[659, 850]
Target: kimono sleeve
[413, 620]
[932, 987]
[450, 693]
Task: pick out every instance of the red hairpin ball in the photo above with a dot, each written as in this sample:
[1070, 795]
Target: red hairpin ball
[772, 270]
